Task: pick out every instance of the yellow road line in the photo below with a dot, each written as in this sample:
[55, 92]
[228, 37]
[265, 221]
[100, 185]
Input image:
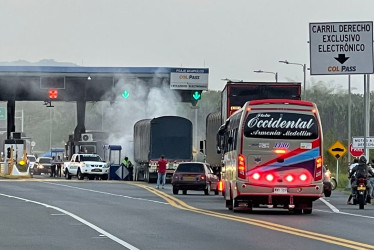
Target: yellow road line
[264, 224]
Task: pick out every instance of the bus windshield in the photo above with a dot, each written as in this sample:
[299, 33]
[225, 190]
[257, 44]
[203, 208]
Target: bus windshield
[281, 125]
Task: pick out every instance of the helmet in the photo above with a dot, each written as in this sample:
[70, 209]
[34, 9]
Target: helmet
[362, 159]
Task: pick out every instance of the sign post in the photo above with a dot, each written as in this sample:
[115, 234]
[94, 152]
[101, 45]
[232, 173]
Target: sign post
[337, 150]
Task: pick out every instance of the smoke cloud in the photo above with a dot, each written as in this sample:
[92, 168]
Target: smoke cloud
[147, 99]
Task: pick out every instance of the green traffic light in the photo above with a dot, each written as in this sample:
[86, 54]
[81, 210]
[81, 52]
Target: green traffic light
[125, 94]
[196, 95]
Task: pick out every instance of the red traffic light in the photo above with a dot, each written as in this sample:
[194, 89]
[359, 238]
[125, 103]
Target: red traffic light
[53, 93]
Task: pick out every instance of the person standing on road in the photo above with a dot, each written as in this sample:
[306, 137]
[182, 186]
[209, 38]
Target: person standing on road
[128, 165]
[161, 171]
[53, 167]
[58, 166]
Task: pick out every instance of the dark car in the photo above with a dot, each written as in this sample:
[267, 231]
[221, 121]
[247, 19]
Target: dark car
[42, 165]
[194, 176]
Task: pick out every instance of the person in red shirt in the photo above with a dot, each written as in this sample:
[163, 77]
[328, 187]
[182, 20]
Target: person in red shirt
[161, 171]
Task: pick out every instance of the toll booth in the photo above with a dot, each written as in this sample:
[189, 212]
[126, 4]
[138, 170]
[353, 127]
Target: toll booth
[15, 156]
[112, 155]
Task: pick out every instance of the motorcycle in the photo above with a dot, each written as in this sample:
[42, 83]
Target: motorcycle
[327, 184]
[361, 194]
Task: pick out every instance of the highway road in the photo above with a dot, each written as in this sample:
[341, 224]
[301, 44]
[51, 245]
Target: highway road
[46, 213]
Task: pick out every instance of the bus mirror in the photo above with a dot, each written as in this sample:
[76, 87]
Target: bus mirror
[218, 150]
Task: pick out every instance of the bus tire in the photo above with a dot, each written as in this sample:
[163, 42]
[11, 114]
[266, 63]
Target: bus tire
[307, 210]
[234, 205]
[229, 204]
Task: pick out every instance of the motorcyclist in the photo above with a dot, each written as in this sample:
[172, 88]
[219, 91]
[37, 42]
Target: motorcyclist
[352, 178]
[371, 179]
[362, 170]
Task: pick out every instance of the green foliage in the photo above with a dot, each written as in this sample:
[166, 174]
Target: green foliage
[333, 110]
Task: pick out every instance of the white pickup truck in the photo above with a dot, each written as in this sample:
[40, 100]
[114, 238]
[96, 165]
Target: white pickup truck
[86, 165]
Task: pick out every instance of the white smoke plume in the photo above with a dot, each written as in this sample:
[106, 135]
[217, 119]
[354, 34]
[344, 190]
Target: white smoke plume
[147, 100]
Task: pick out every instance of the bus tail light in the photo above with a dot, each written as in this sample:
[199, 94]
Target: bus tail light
[289, 178]
[269, 177]
[256, 176]
[318, 169]
[303, 177]
[241, 167]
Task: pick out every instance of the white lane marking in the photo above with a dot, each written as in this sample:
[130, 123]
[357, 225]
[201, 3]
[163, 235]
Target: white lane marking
[335, 210]
[357, 215]
[101, 192]
[83, 221]
[323, 211]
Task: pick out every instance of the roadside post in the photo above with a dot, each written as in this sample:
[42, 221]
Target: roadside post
[337, 150]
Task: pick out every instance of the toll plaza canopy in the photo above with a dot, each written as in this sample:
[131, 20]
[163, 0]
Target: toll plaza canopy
[82, 84]
[32, 83]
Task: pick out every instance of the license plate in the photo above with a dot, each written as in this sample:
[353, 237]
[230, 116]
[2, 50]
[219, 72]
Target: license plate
[278, 190]
[189, 178]
[361, 188]
[96, 170]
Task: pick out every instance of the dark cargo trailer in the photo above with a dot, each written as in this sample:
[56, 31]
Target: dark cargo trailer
[170, 136]
[213, 122]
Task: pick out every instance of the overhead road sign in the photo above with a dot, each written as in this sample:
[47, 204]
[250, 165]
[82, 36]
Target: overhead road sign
[341, 48]
[358, 142]
[189, 79]
[337, 150]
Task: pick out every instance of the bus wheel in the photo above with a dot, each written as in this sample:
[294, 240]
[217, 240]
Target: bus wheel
[229, 204]
[296, 211]
[234, 205]
[307, 211]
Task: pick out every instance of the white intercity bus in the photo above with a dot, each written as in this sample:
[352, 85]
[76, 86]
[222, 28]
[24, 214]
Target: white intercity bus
[272, 155]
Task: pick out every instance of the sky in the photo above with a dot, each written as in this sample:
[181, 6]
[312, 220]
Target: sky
[231, 38]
